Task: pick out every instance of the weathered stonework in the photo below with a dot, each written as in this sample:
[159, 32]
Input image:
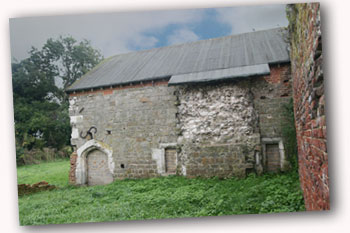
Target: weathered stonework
[218, 113]
[309, 103]
[212, 129]
[271, 94]
[131, 121]
[219, 129]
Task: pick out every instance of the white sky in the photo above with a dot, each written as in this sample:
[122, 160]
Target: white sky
[115, 33]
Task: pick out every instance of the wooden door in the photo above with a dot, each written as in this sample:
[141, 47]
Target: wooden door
[273, 157]
[170, 161]
[97, 168]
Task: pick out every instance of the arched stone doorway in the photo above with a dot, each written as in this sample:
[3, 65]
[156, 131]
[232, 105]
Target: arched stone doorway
[95, 165]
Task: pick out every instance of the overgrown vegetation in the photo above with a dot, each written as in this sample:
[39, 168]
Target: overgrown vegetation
[41, 106]
[155, 198]
[289, 135]
[37, 155]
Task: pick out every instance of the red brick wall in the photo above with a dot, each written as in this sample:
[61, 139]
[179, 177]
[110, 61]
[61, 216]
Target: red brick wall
[278, 73]
[309, 103]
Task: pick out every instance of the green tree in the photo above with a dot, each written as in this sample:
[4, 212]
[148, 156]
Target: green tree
[40, 107]
[77, 58]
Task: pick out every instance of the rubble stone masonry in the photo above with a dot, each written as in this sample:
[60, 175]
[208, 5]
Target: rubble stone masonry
[309, 103]
[219, 127]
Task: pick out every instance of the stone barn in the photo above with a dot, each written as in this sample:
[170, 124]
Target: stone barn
[207, 108]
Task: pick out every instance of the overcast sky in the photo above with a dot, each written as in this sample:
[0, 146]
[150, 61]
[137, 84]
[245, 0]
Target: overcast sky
[114, 33]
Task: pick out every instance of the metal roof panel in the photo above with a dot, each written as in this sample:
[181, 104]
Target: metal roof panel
[220, 74]
[248, 49]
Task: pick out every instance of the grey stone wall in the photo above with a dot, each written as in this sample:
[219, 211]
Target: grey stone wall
[131, 121]
[271, 93]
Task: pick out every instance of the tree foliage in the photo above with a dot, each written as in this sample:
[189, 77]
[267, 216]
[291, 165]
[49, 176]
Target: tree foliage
[41, 107]
[76, 58]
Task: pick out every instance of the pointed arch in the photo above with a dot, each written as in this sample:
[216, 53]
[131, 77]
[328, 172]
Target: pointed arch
[83, 151]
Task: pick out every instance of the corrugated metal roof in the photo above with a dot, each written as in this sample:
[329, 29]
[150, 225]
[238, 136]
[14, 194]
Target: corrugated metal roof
[248, 49]
[220, 74]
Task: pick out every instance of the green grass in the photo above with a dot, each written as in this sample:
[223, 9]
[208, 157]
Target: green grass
[55, 173]
[163, 197]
